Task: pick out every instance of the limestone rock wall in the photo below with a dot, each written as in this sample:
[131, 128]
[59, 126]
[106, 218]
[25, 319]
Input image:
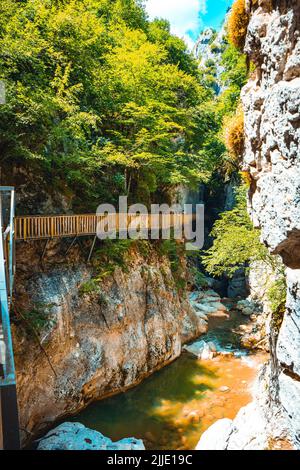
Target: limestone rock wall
[272, 125]
[99, 343]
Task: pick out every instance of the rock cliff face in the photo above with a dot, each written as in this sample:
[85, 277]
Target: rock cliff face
[208, 48]
[202, 49]
[272, 116]
[272, 156]
[98, 343]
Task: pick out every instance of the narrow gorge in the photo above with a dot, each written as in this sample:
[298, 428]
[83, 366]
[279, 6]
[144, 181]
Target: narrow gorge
[145, 343]
[271, 105]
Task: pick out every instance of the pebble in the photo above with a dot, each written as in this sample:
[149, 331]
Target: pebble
[193, 417]
[224, 388]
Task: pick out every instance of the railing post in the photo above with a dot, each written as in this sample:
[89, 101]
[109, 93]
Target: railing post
[12, 243]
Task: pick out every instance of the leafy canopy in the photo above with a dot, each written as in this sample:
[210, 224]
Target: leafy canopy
[99, 98]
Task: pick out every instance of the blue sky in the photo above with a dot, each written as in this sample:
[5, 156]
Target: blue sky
[189, 17]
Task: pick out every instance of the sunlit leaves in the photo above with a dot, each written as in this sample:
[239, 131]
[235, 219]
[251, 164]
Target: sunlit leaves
[236, 242]
[95, 90]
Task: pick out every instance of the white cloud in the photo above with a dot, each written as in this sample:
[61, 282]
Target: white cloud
[183, 15]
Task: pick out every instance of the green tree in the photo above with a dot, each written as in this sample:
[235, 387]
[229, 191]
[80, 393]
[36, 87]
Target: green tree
[100, 100]
[236, 242]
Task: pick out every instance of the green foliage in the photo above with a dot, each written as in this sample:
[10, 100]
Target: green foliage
[159, 32]
[38, 319]
[89, 287]
[112, 254]
[218, 110]
[277, 300]
[277, 296]
[98, 98]
[236, 242]
[199, 277]
[115, 254]
[175, 252]
[236, 73]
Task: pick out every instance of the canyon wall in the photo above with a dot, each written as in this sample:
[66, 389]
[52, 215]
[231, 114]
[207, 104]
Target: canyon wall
[96, 342]
[271, 102]
[272, 155]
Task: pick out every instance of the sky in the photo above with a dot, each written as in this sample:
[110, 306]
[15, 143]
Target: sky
[189, 17]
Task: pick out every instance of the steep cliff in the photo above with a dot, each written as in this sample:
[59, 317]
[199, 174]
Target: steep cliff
[272, 124]
[208, 50]
[271, 102]
[99, 339]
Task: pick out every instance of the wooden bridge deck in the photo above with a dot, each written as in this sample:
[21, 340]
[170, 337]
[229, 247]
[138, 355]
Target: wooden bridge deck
[59, 226]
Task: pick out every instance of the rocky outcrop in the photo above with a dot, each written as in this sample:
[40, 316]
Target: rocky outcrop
[202, 49]
[271, 102]
[237, 284]
[75, 436]
[97, 342]
[208, 49]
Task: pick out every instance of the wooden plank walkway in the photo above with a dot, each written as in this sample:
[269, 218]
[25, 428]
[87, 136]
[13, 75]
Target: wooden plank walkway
[59, 226]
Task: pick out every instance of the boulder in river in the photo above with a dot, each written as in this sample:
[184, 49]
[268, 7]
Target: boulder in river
[208, 303]
[215, 438]
[247, 307]
[206, 353]
[75, 436]
[202, 349]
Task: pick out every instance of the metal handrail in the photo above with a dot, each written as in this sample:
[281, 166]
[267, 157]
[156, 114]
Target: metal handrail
[7, 271]
[9, 416]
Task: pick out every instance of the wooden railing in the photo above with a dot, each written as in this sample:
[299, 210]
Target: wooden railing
[59, 226]
[37, 227]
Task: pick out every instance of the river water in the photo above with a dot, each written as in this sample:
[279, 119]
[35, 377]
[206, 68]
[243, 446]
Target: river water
[172, 408]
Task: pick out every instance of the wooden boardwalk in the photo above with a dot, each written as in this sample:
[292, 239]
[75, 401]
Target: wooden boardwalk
[55, 226]
[59, 226]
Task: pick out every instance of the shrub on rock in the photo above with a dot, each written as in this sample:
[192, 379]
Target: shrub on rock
[237, 24]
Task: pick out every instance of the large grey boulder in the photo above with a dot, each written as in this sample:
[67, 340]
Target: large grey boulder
[216, 436]
[202, 349]
[247, 307]
[75, 436]
[207, 303]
